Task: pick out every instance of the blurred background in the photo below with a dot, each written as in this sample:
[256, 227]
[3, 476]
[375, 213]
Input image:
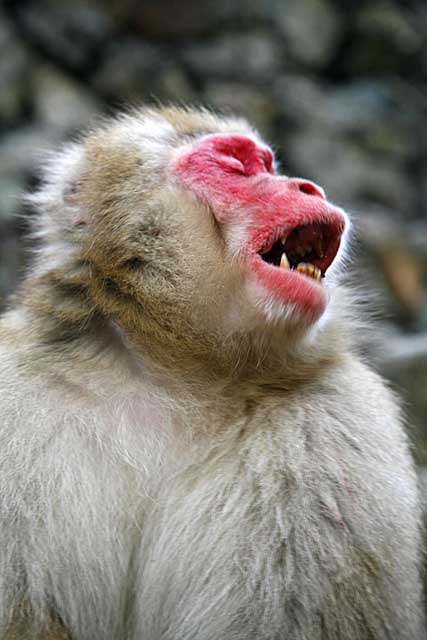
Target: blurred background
[339, 87]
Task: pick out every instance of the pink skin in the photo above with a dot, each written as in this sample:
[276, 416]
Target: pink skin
[235, 177]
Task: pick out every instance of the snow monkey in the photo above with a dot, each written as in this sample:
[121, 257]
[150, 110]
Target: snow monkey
[190, 446]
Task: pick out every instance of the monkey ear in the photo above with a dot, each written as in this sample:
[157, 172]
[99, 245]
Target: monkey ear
[57, 198]
[61, 211]
[72, 202]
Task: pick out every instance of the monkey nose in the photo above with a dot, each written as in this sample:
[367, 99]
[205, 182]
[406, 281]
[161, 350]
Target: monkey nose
[307, 186]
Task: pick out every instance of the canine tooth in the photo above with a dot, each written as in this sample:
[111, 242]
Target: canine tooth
[283, 240]
[319, 247]
[284, 262]
[317, 273]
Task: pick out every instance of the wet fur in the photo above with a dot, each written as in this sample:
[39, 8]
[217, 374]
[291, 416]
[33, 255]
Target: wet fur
[174, 463]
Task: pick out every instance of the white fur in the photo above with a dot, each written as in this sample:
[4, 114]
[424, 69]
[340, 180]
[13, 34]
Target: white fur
[99, 485]
[140, 504]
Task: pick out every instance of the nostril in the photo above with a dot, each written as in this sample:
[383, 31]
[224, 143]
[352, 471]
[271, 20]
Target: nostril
[308, 187]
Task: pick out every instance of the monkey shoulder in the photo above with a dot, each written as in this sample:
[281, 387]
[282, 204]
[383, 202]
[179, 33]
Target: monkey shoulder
[351, 420]
[337, 448]
[348, 400]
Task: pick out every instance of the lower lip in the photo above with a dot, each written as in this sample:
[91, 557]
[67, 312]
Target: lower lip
[291, 288]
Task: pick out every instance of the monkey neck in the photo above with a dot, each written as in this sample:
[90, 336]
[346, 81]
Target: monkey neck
[67, 323]
[280, 356]
[246, 364]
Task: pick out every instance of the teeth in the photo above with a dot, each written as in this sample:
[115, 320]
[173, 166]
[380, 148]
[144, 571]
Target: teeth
[306, 268]
[284, 262]
[309, 269]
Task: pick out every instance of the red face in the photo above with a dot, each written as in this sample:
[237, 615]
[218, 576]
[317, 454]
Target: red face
[286, 231]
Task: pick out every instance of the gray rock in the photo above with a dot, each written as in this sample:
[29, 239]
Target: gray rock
[130, 69]
[385, 37]
[21, 151]
[405, 365]
[70, 32]
[422, 483]
[174, 85]
[406, 351]
[61, 105]
[14, 76]
[354, 107]
[11, 261]
[253, 55]
[12, 188]
[311, 29]
[392, 26]
[391, 262]
[417, 238]
[379, 227]
[370, 110]
[423, 191]
[240, 99]
[165, 20]
[347, 171]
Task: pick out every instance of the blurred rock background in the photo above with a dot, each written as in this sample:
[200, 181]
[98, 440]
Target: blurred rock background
[338, 86]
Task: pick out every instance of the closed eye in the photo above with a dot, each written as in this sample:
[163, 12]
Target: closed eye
[232, 164]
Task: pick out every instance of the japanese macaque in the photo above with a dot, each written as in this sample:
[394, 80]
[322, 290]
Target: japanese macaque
[190, 447]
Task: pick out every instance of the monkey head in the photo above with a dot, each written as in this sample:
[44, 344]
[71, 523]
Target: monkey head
[177, 226]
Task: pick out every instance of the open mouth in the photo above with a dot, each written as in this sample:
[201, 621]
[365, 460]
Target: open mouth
[308, 249]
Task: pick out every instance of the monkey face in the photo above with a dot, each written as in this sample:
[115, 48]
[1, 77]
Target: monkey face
[282, 231]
